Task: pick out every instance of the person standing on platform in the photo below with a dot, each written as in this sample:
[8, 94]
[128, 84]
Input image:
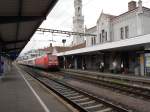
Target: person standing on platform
[101, 66]
[84, 67]
[122, 68]
[1, 66]
[102, 63]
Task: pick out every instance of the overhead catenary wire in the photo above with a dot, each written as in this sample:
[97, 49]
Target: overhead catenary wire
[64, 32]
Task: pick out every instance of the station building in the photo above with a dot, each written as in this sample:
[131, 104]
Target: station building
[122, 43]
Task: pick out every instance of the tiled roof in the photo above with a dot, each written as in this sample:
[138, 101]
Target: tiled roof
[62, 49]
[144, 8]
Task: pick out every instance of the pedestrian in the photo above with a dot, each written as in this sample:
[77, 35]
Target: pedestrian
[70, 66]
[102, 63]
[84, 66]
[1, 67]
[114, 65]
[122, 68]
[101, 66]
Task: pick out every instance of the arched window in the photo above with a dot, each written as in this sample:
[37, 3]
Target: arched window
[78, 9]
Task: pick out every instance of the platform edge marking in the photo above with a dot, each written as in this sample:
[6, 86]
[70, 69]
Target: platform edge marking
[36, 95]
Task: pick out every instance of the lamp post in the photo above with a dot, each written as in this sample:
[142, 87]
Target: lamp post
[64, 41]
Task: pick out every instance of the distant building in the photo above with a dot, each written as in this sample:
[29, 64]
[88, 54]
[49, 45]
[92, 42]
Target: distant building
[51, 49]
[57, 49]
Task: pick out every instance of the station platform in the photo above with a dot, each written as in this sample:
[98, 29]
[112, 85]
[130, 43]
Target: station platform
[130, 77]
[20, 93]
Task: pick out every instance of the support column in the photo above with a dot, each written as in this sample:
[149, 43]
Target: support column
[0, 65]
[64, 59]
[142, 64]
[75, 62]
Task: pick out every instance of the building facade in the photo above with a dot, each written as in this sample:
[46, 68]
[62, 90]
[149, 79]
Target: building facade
[122, 43]
[110, 28]
[133, 23]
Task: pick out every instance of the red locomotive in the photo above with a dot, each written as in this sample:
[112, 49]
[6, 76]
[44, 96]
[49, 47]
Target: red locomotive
[48, 61]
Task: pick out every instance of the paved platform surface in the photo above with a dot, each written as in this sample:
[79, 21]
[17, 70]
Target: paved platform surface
[16, 96]
[121, 76]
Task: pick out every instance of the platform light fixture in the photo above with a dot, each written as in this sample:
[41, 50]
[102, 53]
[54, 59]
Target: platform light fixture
[64, 41]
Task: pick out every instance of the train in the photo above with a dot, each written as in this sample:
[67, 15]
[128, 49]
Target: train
[47, 62]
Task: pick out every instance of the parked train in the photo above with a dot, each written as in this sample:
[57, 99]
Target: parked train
[48, 61]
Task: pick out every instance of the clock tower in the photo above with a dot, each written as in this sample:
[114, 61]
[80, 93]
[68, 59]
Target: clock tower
[78, 22]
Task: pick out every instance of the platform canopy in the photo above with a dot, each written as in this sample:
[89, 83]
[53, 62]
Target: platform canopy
[126, 44]
[19, 19]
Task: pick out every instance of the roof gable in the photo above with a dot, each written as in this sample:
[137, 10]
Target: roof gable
[104, 15]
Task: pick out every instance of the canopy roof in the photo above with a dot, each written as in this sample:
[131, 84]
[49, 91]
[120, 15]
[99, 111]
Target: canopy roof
[120, 45]
[19, 19]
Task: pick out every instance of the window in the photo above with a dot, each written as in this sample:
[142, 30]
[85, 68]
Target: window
[103, 35]
[126, 32]
[100, 37]
[121, 32]
[78, 9]
[94, 40]
[106, 36]
[91, 41]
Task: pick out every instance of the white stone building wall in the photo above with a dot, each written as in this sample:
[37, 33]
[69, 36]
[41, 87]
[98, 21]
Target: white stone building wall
[138, 24]
[103, 24]
[92, 30]
[146, 22]
[127, 20]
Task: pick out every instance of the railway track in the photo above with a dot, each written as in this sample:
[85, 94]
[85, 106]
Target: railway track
[80, 99]
[127, 89]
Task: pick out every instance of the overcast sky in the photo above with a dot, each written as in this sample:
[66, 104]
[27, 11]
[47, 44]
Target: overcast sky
[61, 18]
